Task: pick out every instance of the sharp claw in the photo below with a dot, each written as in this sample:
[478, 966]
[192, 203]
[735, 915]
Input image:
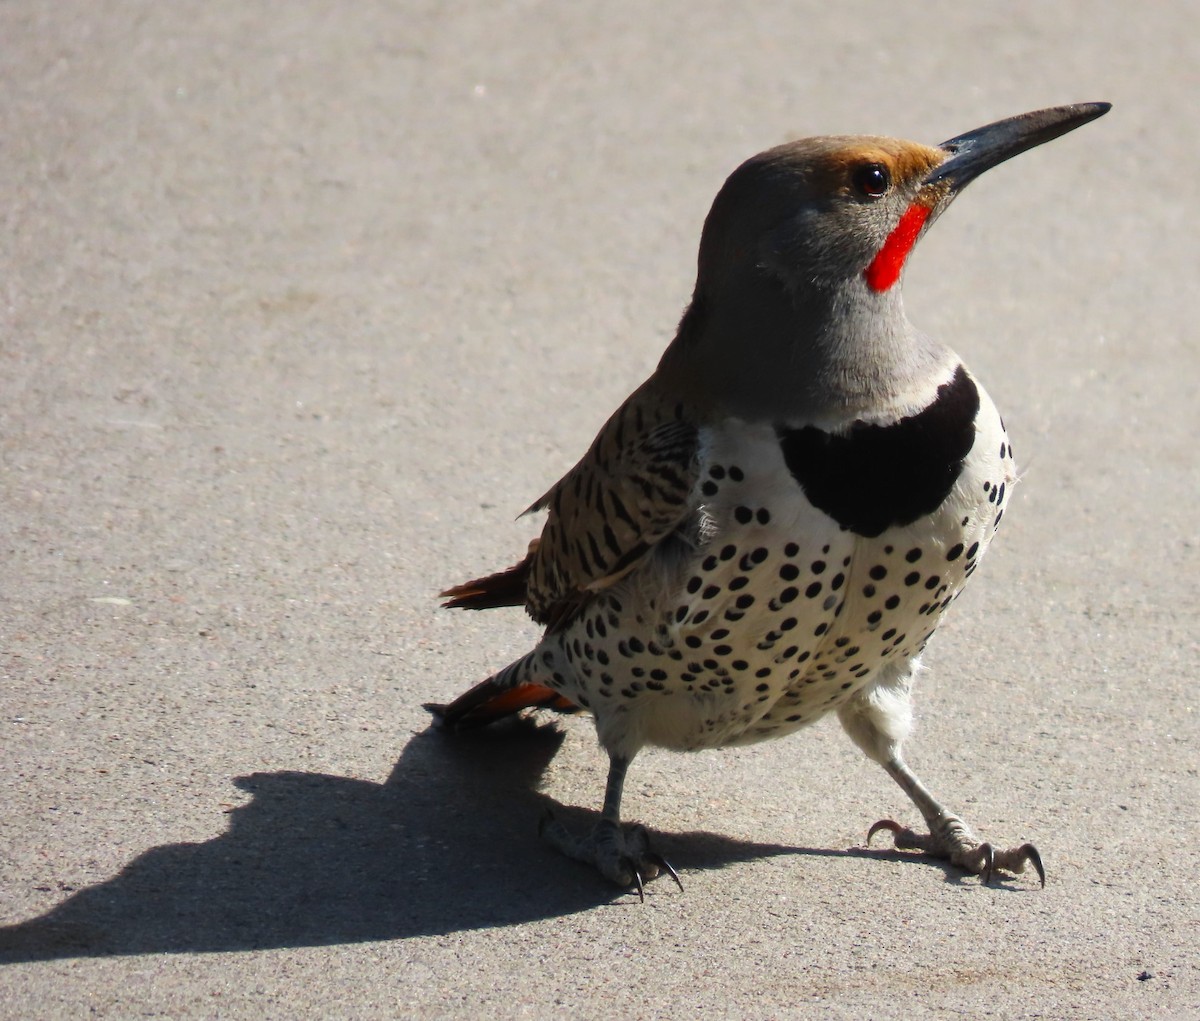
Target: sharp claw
[883, 824]
[622, 859]
[989, 862]
[984, 854]
[662, 863]
[1031, 855]
[637, 878]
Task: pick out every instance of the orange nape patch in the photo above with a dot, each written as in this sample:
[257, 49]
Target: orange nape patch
[905, 161]
[885, 268]
[829, 162]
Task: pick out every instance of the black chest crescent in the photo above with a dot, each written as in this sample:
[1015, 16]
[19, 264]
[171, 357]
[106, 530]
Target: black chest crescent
[872, 477]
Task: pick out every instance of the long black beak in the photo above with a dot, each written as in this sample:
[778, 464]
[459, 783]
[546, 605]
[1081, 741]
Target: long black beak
[979, 150]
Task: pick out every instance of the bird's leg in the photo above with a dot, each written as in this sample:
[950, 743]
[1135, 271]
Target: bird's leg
[623, 856]
[878, 719]
[949, 837]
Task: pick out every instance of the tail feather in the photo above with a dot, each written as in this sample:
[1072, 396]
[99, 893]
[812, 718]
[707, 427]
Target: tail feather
[488, 702]
[507, 692]
[505, 588]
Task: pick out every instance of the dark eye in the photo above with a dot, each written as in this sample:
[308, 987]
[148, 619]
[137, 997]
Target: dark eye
[871, 180]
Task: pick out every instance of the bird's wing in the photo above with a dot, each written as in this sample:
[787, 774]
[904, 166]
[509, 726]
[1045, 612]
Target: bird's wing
[632, 489]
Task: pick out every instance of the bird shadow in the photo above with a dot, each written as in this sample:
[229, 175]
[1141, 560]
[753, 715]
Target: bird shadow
[447, 843]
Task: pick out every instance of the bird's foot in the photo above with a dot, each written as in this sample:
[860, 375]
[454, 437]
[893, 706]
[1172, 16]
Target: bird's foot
[623, 856]
[951, 839]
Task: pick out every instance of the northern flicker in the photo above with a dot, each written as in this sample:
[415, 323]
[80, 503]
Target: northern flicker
[771, 527]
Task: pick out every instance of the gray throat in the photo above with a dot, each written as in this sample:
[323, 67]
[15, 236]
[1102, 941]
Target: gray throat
[761, 352]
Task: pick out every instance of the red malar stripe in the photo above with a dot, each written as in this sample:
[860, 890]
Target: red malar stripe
[889, 260]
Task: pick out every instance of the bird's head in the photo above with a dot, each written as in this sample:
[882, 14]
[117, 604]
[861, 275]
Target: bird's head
[797, 310]
[846, 210]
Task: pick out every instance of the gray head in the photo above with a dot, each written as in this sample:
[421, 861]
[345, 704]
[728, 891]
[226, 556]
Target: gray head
[797, 310]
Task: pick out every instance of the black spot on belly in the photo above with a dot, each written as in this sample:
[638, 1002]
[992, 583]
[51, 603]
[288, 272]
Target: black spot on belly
[871, 477]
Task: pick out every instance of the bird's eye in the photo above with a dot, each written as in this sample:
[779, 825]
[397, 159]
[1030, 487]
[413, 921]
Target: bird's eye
[872, 180]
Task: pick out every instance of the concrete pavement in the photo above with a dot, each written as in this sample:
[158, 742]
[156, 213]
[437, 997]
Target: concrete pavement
[301, 305]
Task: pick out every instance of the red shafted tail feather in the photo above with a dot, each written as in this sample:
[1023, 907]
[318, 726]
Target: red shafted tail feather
[505, 588]
[487, 702]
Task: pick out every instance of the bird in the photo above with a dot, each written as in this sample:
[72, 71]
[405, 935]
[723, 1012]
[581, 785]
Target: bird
[770, 528]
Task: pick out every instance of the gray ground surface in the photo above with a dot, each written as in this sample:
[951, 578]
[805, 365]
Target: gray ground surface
[302, 303]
